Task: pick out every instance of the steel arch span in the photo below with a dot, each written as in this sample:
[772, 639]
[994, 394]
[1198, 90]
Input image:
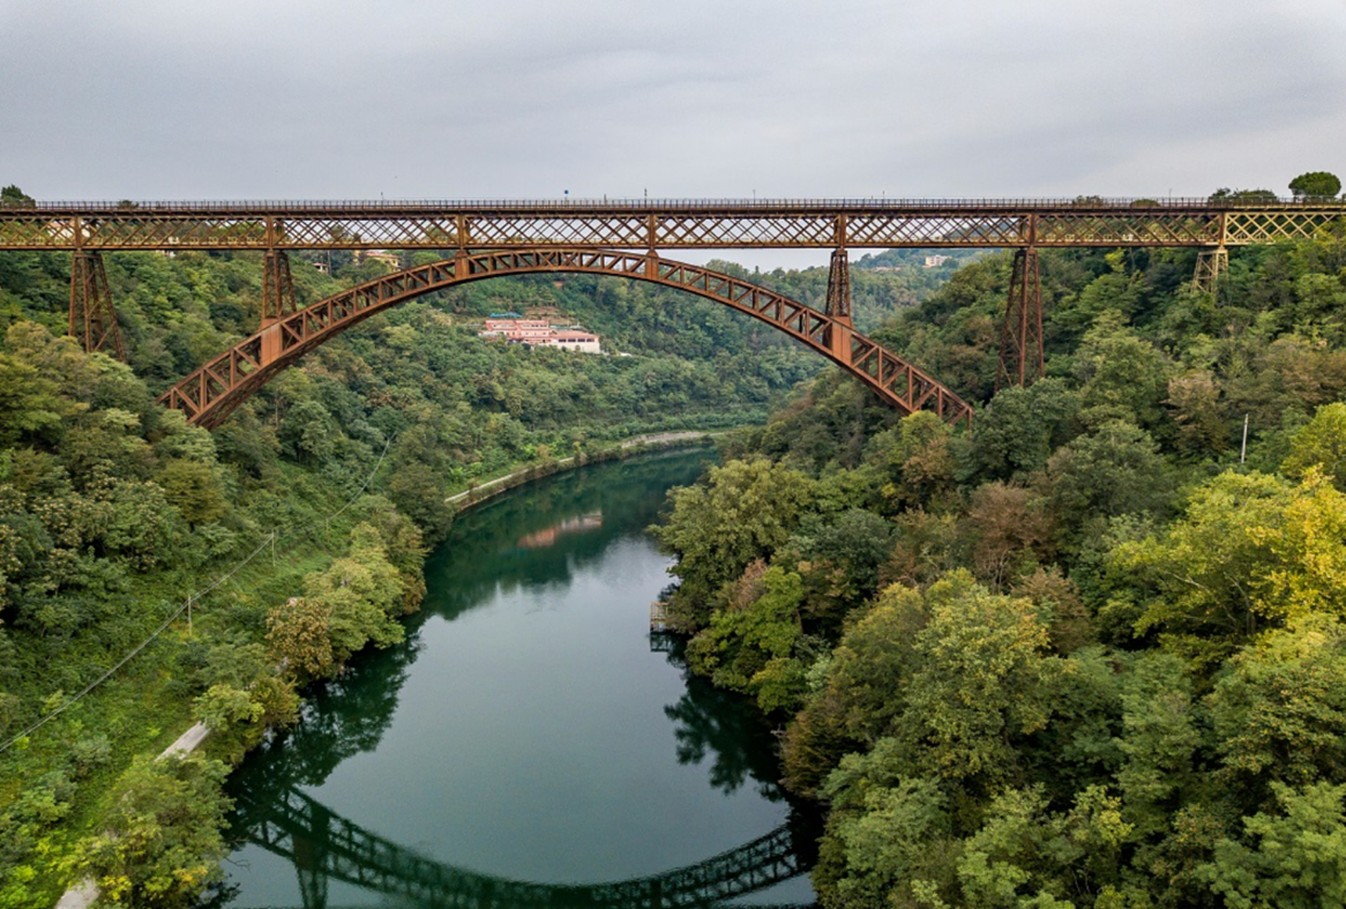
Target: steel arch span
[211, 393]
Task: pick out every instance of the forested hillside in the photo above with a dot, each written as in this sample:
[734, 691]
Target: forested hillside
[293, 535]
[1091, 654]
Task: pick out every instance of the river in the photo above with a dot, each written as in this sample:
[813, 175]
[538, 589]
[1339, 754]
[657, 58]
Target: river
[530, 744]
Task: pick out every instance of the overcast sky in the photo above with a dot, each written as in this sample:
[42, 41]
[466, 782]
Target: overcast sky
[248, 99]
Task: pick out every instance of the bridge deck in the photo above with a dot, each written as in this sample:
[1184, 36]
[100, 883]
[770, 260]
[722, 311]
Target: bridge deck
[648, 224]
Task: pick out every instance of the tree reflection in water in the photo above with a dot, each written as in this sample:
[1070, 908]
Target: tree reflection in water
[351, 714]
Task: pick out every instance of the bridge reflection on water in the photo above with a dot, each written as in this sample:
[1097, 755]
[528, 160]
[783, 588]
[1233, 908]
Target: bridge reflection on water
[545, 536]
[324, 846]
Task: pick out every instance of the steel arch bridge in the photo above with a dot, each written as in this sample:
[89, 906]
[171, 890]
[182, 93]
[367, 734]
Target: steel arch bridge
[1211, 226]
[210, 393]
[325, 846]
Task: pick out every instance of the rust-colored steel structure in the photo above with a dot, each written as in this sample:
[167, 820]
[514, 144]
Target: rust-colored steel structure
[1022, 357]
[277, 286]
[92, 319]
[661, 224]
[208, 395]
[649, 225]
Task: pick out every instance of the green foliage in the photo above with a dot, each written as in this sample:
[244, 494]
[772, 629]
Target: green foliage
[1320, 443]
[741, 512]
[983, 678]
[1318, 184]
[223, 706]
[1279, 709]
[1021, 427]
[12, 196]
[1293, 857]
[1114, 470]
[750, 647]
[977, 745]
[163, 837]
[1251, 552]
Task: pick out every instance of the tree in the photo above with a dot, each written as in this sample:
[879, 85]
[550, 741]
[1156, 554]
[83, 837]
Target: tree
[1279, 711]
[741, 512]
[1293, 858]
[1321, 442]
[162, 841]
[918, 458]
[1243, 196]
[891, 839]
[13, 197]
[1252, 552]
[29, 403]
[300, 634]
[751, 648]
[1317, 184]
[1008, 529]
[983, 681]
[1022, 426]
[1115, 470]
[194, 489]
[1121, 374]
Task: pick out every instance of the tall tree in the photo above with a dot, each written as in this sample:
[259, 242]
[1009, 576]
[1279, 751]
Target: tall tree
[1317, 184]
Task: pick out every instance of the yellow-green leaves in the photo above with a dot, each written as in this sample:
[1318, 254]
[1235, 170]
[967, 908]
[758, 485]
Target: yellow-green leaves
[1252, 552]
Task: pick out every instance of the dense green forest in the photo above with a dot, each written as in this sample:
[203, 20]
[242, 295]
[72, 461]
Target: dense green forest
[293, 535]
[1091, 654]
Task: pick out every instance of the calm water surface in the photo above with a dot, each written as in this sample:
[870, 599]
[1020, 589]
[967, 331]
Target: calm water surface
[527, 741]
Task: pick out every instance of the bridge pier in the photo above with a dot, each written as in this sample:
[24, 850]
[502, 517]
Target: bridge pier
[277, 287]
[1021, 353]
[839, 287]
[93, 321]
[1211, 264]
[839, 306]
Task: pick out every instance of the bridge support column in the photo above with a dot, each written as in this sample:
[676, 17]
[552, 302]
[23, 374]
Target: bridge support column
[839, 287]
[93, 322]
[1021, 354]
[277, 287]
[1211, 264]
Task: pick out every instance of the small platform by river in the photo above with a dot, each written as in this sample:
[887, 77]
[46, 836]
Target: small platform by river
[659, 616]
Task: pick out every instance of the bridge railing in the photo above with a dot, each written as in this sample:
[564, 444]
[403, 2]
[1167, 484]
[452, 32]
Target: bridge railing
[854, 203]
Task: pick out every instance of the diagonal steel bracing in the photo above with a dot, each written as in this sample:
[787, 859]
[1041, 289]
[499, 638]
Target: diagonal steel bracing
[660, 224]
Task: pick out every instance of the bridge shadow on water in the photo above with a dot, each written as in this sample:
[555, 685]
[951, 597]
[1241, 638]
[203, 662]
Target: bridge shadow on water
[531, 539]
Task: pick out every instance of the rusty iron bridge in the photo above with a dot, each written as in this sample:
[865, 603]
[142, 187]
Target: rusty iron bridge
[484, 239]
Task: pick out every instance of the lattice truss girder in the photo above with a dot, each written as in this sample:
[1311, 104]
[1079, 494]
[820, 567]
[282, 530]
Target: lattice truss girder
[209, 394]
[1275, 226]
[352, 226]
[1143, 228]
[935, 229]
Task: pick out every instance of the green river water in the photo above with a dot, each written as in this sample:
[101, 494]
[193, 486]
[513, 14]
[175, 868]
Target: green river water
[530, 744]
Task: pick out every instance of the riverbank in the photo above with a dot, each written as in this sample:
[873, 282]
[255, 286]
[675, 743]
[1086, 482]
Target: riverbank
[628, 448]
[84, 894]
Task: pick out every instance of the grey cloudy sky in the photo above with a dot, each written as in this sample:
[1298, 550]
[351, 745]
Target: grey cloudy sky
[698, 98]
